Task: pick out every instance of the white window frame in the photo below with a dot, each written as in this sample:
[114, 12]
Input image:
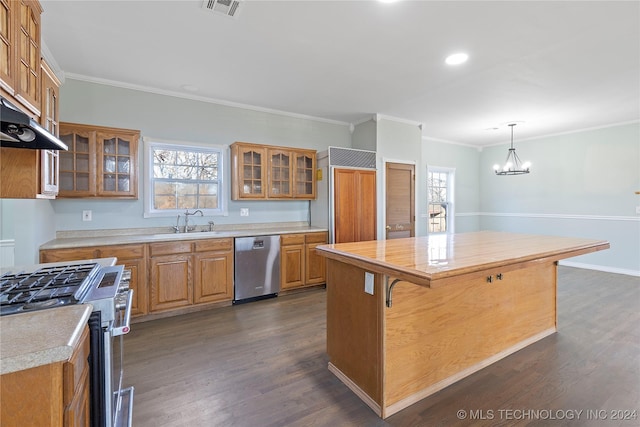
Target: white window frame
[222, 150]
[451, 173]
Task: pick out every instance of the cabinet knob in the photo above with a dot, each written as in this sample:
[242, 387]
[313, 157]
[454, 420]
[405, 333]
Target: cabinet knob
[499, 276]
[489, 279]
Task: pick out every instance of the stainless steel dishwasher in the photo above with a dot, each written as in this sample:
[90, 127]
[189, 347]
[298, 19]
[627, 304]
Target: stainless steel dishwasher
[257, 268]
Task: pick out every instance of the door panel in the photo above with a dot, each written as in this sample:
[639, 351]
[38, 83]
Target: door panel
[400, 203]
[355, 205]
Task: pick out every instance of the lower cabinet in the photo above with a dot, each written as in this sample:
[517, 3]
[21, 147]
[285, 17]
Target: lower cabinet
[133, 257]
[190, 272]
[50, 395]
[300, 264]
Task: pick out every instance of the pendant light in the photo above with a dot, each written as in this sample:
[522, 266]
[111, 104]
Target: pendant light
[513, 165]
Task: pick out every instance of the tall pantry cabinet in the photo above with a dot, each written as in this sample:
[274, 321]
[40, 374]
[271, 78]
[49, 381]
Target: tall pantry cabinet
[355, 205]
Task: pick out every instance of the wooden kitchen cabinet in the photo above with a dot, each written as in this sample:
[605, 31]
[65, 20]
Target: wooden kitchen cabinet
[31, 174]
[101, 162]
[213, 264]
[355, 205]
[132, 257]
[56, 394]
[300, 264]
[272, 172]
[20, 52]
[292, 261]
[190, 272]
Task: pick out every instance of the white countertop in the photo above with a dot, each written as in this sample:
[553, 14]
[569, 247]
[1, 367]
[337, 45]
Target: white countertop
[28, 340]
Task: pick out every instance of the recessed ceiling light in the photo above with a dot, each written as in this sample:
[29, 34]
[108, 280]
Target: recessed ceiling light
[457, 59]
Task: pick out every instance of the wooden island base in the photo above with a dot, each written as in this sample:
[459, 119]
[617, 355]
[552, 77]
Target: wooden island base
[436, 332]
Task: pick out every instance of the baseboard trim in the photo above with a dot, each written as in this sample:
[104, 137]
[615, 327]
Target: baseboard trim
[356, 389]
[602, 268]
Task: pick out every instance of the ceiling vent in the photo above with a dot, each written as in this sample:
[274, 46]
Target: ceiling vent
[222, 7]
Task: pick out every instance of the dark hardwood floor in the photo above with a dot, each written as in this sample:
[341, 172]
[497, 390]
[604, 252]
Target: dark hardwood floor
[264, 364]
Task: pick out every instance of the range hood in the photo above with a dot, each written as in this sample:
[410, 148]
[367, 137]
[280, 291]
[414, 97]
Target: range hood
[18, 130]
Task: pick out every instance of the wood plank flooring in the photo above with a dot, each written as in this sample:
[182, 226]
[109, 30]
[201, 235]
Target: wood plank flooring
[264, 364]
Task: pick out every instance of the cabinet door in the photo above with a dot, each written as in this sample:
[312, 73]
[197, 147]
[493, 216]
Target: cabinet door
[355, 205]
[117, 164]
[77, 165]
[7, 44]
[280, 173]
[292, 259]
[171, 282]
[250, 172]
[304, 176]
[213, 277]
[28, 54]
[315, 264]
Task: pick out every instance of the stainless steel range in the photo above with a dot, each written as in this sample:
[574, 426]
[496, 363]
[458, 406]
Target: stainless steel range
[106, 288]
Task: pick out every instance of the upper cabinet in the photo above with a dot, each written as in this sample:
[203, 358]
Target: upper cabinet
[100, 162]
[29, 174]
[271, 172]
[20, 52]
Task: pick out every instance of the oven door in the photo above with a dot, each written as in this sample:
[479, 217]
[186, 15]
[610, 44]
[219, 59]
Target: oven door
[121, 398]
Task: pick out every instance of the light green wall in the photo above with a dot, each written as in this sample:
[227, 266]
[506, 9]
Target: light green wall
[581, 184]
[178, 119]
[364, 136]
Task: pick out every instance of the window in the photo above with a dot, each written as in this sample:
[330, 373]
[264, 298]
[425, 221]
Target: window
[183, 177]
[440, 201]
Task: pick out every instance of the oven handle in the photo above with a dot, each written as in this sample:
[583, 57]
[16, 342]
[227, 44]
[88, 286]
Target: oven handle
[124, 329]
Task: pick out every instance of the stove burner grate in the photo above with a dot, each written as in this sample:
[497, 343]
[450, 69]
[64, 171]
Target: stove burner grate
[46, 287]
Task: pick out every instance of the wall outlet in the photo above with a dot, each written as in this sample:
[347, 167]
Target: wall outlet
[638, 210]
[86, 215]
[368, 282]
[244, 211]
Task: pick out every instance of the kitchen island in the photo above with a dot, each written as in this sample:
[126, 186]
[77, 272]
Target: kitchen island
[408, 317]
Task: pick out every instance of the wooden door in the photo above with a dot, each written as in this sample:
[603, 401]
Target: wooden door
[213, 277]
[292, 266]
[400, 200]
[117, 163]
[170, 282]
[315, 264]
[354, 205]
[77, 165]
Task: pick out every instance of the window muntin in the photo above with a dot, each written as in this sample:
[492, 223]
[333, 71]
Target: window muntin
[440, 200]
[184, 177]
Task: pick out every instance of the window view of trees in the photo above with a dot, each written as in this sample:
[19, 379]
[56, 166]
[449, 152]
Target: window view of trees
[438, 185]
[185, 178]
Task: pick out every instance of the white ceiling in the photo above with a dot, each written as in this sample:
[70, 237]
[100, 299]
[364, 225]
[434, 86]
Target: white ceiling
[556, 66]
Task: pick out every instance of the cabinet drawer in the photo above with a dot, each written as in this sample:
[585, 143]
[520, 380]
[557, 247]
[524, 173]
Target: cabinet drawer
[71, 254]
[169, 248]
[316, 237]
[123, 252]
[214, 245]
[74, 369]
[291, 239]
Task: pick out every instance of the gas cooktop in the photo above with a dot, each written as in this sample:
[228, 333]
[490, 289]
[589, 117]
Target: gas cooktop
[46, 287]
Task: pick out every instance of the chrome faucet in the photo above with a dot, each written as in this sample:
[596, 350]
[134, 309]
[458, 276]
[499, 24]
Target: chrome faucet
[186, 219]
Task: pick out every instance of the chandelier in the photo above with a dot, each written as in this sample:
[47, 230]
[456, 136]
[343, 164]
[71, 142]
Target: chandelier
[513, 165]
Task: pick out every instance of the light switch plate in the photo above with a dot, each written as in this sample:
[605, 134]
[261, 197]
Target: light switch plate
[86, 215]
[244, 211]
[368, 282]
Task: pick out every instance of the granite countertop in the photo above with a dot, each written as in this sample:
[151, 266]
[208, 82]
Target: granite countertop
[152, 235]
[28, 340]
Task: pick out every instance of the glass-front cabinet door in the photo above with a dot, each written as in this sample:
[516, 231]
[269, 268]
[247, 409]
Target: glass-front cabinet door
[305, 185]
[101, 162]
[251, 172]
[280, 173]
[117, 164]
[77, 165]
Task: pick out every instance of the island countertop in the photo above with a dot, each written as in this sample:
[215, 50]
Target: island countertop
[429, 261]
